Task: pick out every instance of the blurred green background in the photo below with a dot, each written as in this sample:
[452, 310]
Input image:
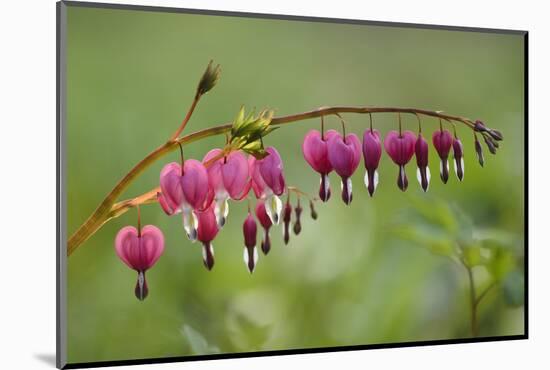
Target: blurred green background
[354, 276]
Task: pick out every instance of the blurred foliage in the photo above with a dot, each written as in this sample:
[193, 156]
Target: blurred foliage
[347, 278]
[444, 229]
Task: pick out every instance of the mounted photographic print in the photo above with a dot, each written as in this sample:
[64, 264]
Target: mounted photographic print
[234, 184]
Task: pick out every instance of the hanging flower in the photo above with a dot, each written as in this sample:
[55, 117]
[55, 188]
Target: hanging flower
[184, 190]
[423, 171]
[400, 147]
[227, 178]
[479, 152]
[250, 251]
[268, 182]
[372, 151]
[458, 158]
[266, 223]
[344, 155]
[206, 232]
[443, 140]
[140, 250]
[314, 149]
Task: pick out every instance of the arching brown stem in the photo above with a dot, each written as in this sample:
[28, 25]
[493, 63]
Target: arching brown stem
[109, 208]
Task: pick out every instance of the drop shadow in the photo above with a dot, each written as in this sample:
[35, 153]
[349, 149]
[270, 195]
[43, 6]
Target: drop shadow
[47, 358]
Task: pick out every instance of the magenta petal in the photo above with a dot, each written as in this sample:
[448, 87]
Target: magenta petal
[214, 170]
[256, 180]
[163, 202]
[170, 185]
[421, 151]
[400, 148]
[442, 141]
[249, 231]
[208, 227]
[262, 215]
[314, 149]
[127, 241]
[344, 156]
[235, 174]
[139, 252]
[151, 245]
[372, 149]
[194, 183]
[271, 169]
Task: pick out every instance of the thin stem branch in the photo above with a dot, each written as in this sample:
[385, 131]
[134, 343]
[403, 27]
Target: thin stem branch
[108, 210]
[187, 117]
[484, 293]
[473, 305]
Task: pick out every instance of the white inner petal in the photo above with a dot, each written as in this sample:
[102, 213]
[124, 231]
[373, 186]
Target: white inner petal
[221, 210]
[245, 256]
[255, 256]
[428, 177]
[419, 176]
[462, 165]
[367, 179]
[190, 223]
[327, 184]
[273, 208]
[375, 179]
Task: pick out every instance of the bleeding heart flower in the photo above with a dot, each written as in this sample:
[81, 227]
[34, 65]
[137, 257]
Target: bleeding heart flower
[315, 153]
[267, 181]
[344, 155]
[257, 183]
[372, 151]
[250, 251]
[458, 158]
[207, 231]
[140, 250]
[227, 178]
[271, 169]
[171, 197]
[423, 171]
[443, 140]
[400, 147]
[184, 190]
[266, 223]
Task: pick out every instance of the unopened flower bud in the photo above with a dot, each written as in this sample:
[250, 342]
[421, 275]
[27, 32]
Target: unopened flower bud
[458, 159]
[287, 213]
[479, 126]
[490, 144]
[479, 152]
[298, 223]
[495, 134]
[312, 210]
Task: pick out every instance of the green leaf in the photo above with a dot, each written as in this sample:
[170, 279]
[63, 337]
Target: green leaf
[199, 345]
[513, 288]
[251, 128]
[438, 246]
[472, 255]
[501, 262]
